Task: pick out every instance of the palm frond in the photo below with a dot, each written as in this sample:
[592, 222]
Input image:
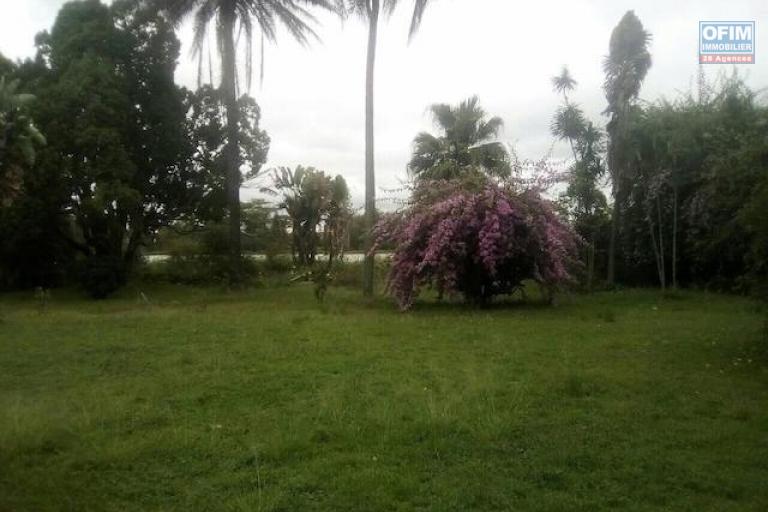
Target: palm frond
[627, 62]
[266, 14]
[419, 6]
[568, 123]
[564, 82]
[296, 20]
[489, 129]
[443, 115]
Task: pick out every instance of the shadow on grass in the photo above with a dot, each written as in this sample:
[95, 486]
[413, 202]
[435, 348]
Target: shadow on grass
[459, 305]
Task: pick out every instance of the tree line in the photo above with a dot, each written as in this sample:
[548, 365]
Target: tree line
[107, 155]
[687, 177]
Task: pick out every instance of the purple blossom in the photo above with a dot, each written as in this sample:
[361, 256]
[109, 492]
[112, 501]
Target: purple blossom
[478, 244]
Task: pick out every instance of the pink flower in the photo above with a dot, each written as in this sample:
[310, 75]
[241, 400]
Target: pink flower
[477, 244]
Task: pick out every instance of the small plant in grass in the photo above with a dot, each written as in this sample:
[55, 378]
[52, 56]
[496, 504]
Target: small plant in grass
[42, 297]
[478, 243]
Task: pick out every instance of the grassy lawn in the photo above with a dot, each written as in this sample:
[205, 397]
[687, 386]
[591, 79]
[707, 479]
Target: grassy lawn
[263, 400]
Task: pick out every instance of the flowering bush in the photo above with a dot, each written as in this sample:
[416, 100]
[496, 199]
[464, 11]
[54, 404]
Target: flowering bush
[478, 243]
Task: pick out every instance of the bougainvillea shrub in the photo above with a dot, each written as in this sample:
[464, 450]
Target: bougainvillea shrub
[477, 243]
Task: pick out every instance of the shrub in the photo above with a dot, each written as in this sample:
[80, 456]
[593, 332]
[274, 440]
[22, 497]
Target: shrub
[200, 269]
[102, 275]
[477, 243]
[350, 273]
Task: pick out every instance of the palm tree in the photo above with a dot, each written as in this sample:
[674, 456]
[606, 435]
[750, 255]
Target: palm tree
[370, 10]
[569, 122]
[18, 138]
[625, 69]
[564, 83]
[245, 15]
[466, 144]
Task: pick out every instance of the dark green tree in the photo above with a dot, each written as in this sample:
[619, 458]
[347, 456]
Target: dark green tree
[118, 131]
[698, 168]
[586, 203]
[625, 68]
[231, 17]
[208, 129]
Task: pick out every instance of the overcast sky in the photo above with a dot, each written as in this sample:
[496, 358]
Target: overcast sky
[504, 51]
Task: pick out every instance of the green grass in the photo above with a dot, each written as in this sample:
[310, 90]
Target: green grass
[262, 400]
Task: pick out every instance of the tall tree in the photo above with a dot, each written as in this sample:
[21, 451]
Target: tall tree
[371, 10]
[208, 129]
[230, 16]
[117, 131]
[585, 202]
[564, 83]
[625, 69]
[465, 146]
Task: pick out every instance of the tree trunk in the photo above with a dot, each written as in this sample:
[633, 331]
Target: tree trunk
[662, 258]
[674, 238]
[618, 168]
[232, 181]
[573, 150]
[659, 264]
[370, 184]
[612, 243]
[590, 264]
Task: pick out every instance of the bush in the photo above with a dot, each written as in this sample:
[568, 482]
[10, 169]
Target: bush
[102, 275]
[478, 244]
[197, 270]
[278, 263]
[350, 274]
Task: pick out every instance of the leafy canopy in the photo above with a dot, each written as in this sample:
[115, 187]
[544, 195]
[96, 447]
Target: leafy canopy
[465, 146]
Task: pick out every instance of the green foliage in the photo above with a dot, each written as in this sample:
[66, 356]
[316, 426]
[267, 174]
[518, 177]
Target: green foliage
[6, 66]
[33, 252]
[100, 275]
[208, 128]
[265, 229]
[627, 62]
[756, 223]
[18, 138]
[116, 127]
[198, 269]
[693, 214]
[318, 208]
[235, 18]
[625, 69]
[465, 147]
[569, 122]
[129, 158]
[583, 200]
[249, 16]
[350, 273]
